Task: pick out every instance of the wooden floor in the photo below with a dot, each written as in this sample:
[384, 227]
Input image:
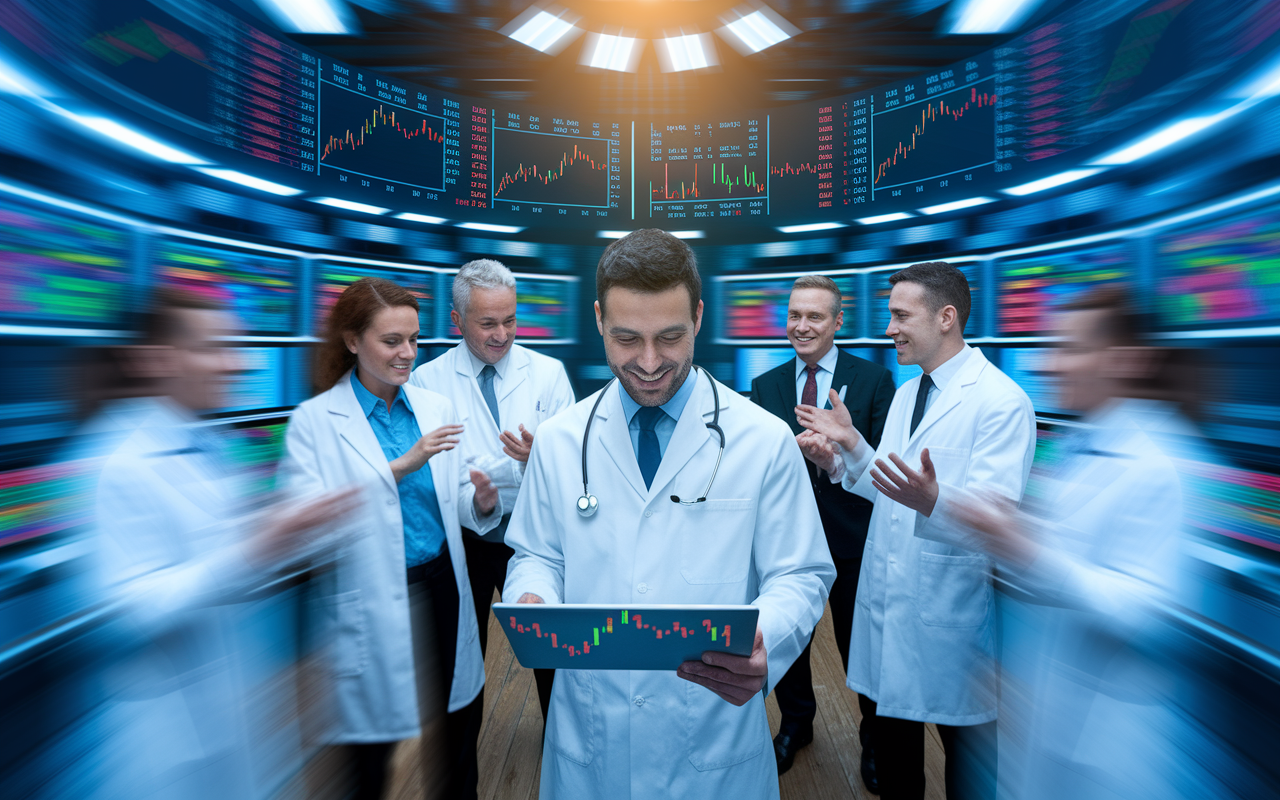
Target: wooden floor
[511, 740]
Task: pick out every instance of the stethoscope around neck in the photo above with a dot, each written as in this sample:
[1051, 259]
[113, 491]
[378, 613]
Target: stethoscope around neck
[588, 504]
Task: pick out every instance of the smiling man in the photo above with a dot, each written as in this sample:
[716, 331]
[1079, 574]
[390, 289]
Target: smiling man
[669, 528]
[814, 315]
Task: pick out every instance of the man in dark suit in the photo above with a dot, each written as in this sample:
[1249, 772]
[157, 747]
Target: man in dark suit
[813, 317]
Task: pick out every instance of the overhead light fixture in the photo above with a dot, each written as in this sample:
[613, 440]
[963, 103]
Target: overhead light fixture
[750, 31]
[485, 226]
[139, 141]
[607, 51]
[544, 30]
[812, 226]
[1165, 137]
[1052, 181]
[421, 218]
[886, 218]
[611, 234]
[957, 205]
[310, 16]
[686, 52]
[250, 181]
[988, 16]
[687, 234]
[349, 205]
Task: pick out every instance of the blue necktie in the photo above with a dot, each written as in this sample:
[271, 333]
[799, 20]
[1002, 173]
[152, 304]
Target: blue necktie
[486, 389]
[649, 454]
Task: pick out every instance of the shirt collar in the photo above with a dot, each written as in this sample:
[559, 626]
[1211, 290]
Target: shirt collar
[943, 374]
[369, 401]
[673, 407]
[827, 362]
[477, 366]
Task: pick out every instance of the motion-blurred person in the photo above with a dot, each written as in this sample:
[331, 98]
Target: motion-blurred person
[402, 600]
[502, 391]
[924, 627]
[174, 550]
[1098, 556]
[813, 317]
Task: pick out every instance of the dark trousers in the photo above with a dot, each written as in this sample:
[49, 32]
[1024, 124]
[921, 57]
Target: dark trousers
[970, 767]
[434, 592]
[794, 692]
[487, 567]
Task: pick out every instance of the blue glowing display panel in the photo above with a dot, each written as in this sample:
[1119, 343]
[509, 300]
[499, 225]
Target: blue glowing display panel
[59, 270]
[1224, 274]
[261, 288]
[757, 308]
[332, 278]
[752, 362]
[1029, 368]
[1032, 286]
[879, 288]
[261, 383]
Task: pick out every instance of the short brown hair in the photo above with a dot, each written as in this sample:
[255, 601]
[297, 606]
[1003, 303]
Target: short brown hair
[353, 313]
[163, 324]
[821, 282]
[649, 260]
[1122, 325]
[944, 285]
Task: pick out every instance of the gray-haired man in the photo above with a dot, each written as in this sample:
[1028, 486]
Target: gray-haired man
[502, 392]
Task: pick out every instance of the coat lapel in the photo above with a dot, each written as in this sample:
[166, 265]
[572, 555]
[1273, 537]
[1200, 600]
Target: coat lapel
[356, 430]
[428, 417]
[517, 371]
[952, 394]
[611, 423]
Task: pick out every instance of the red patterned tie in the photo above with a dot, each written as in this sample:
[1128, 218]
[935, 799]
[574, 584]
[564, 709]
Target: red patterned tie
[809, 397]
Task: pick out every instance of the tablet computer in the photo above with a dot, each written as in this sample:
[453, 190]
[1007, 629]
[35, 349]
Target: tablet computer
[659, 637]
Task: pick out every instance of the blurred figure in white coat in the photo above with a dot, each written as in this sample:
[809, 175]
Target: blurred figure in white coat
[502, 392]
[924, 627]
[400, 600]
[752, 537]
[175, 548]
[1098, 553]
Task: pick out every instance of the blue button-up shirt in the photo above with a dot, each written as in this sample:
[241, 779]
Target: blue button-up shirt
[397, 431]
[666, 425]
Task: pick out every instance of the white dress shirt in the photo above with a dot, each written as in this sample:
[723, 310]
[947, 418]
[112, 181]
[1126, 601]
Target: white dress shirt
[826, 372]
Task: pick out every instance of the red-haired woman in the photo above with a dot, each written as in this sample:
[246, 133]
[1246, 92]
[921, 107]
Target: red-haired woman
[402, 599]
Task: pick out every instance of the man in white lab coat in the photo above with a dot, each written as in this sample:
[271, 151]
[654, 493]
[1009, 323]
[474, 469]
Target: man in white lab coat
[923, 631]
[502, 392]
[756, 539]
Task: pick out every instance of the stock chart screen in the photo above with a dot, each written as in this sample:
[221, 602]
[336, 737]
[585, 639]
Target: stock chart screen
[259, 287]
[756, 308]
[331, 278]
[974, 126]
[59, 270]
[1032, 286]
[1223, 274]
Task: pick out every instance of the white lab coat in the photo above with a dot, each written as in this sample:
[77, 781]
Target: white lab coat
[330, 445]
[534, 388]
[1098, 720]
[923, 643]
[756, 540]
[169, 549]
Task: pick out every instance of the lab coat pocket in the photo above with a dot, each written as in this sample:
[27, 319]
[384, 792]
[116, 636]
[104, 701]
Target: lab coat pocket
[719, 733]
[571, 731]
[950, 463]
[350, 643]
[953, 591]
[716, 540]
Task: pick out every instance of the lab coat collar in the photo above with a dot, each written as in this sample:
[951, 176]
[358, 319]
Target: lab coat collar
[690, 435]
[512, 369]
[356, 430]
[953, 389]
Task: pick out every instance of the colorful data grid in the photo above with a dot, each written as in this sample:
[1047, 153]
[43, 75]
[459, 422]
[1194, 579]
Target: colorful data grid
[261, 288]
[58, 270]
[1226, 274]
[332, 279]
[878, 288]
[1033, 285]
[256, 449]
[757, 308]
